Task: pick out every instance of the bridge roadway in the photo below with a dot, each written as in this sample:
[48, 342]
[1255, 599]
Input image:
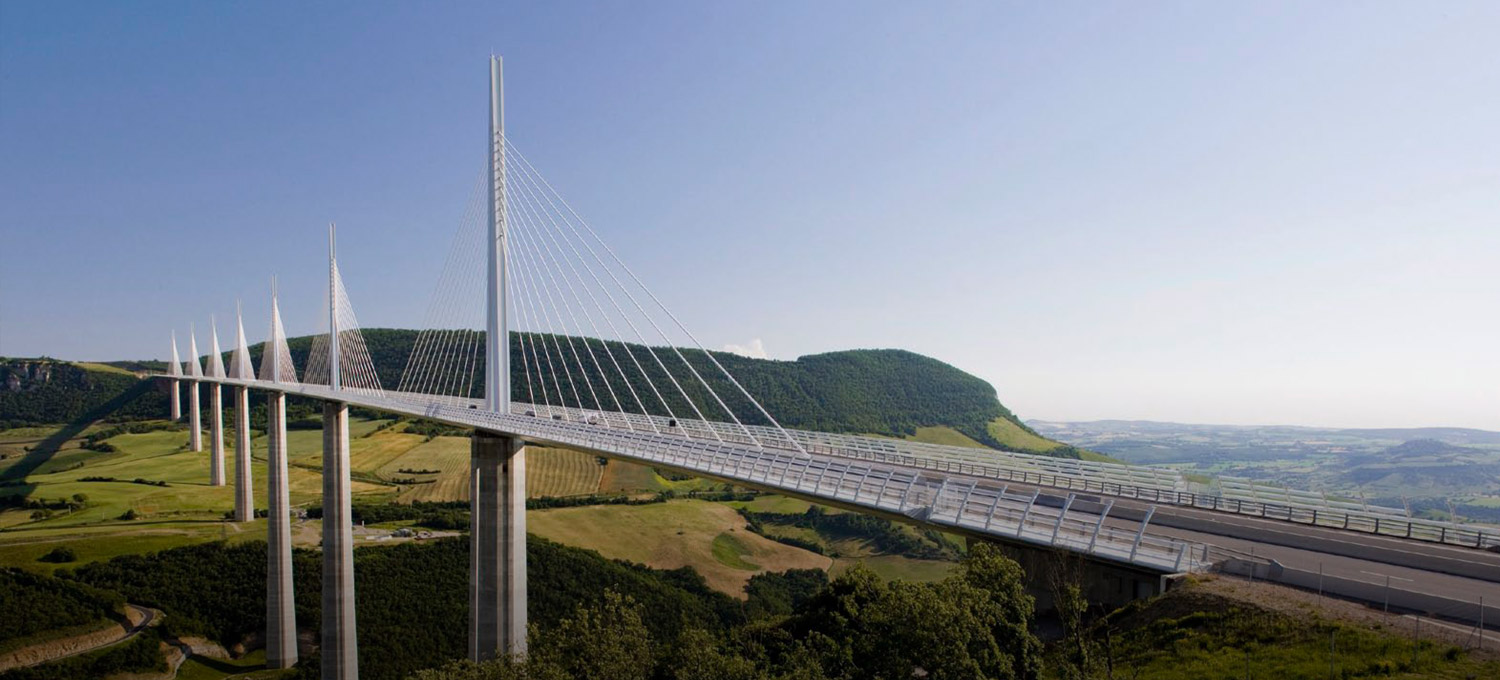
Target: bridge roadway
[950, 502]
[1030, 513]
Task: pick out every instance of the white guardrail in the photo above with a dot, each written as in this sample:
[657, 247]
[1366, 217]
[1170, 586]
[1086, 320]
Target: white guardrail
[1144, 483]
[1156, 485]
[937, 498]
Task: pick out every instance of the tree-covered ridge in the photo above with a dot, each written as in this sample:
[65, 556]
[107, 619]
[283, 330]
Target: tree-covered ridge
[33, 603]
[877, 391]
[45, 391]
[874, 391]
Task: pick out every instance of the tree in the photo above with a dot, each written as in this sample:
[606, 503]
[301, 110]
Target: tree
[974, 625]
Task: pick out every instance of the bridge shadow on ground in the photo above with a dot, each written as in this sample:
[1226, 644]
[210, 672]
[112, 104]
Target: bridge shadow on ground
[48, 447]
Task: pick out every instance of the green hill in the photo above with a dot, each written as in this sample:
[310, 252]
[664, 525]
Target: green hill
[48, 391]
[884, 392]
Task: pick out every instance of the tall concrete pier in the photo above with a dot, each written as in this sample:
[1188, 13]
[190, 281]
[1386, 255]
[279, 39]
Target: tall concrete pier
[194, 371]
[244, 492]
[175, 370]
[339, 649]
[216, 435]
[281, 610]
[497, 573]
[195, 428]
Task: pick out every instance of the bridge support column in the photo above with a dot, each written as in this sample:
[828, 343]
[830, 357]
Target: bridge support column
[497, 575]
[339, 649]
[281, 611]
[216, 435]
[176, 408]
[195, 428]
[244, 494]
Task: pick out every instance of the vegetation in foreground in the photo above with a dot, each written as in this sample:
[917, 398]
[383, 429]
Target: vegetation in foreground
[1217, 628]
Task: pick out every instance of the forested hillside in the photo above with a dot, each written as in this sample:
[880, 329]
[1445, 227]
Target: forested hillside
[889, 392]
[44, 391]
[886, 392]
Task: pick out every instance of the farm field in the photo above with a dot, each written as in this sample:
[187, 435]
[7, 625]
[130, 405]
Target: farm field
[709, 537]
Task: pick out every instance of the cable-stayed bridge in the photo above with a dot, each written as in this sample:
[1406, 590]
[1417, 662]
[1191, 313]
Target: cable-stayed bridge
[577, 352]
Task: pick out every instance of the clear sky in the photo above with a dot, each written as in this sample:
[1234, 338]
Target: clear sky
[1191, 211]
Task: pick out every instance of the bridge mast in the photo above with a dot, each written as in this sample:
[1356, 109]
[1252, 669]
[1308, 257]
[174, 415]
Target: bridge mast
[497, 335]
[497, 463]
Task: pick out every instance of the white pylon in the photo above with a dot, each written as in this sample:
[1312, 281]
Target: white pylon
[216, 359]
[276, 359]
[239, 362]
[195, 369]
[176, 368]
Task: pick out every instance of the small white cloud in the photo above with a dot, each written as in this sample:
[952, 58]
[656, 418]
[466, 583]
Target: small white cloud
[755, 349]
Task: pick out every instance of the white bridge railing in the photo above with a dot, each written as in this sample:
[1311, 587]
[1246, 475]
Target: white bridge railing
[971, 506]
[1154, 485]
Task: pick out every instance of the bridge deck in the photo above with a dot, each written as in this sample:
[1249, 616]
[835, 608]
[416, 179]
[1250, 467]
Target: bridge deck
[946, 500]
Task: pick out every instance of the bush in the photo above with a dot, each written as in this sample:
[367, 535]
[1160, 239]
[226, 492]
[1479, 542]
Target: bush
[59, 555]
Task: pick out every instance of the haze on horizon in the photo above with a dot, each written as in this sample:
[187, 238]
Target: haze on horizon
[1268, 213]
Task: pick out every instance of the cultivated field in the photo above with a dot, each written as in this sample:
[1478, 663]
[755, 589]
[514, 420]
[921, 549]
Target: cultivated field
[709, 537]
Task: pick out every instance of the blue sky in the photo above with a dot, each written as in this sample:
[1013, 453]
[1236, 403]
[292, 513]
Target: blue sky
[1201, 212]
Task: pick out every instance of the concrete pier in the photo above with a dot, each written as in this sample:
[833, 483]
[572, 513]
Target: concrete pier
[339, 648]
[195, 428]
[216, 435]
[497, 493]
[176, 409]
[281, 610]
[244, 492]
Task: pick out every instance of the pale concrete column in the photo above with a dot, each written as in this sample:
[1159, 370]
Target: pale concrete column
[244, 493]
[176, 409]
[216, 435]
[497, 570]
[339, 649]
[281, 610]
[195, 428]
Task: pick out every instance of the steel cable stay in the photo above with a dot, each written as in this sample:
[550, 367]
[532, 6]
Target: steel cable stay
[544, 316]
[529, 171]
[550, 267]
[533, 259]
[652, 352]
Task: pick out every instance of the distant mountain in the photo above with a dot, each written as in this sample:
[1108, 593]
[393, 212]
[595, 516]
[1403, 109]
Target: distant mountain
[884, 392]
[1430, 465]
[1429, 448]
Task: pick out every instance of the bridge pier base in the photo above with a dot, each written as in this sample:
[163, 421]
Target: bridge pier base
[1107, 584]
[339, 649]
[244, 495]
[281, 611]
[195, 427]
[216, 435]
[497, 575]
[176, 408]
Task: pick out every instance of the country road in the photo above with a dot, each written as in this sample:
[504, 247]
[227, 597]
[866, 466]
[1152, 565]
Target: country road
[147, 617]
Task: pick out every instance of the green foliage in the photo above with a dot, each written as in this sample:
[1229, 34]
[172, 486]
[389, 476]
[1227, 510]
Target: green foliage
[856, 627]
[32, 603]
[211, 589]
[1187, 635]
[59, 555]
[50, 391]
[883, 534]
[890, 392]
[780, 593]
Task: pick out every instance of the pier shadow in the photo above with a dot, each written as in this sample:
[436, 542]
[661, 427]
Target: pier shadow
[49, 446]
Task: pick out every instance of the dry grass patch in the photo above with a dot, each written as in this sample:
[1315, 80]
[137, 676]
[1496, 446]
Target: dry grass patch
[680, 533]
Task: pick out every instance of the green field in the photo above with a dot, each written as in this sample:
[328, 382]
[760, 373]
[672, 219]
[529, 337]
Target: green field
[679, 533]
[1013, 437]
[942, 434]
